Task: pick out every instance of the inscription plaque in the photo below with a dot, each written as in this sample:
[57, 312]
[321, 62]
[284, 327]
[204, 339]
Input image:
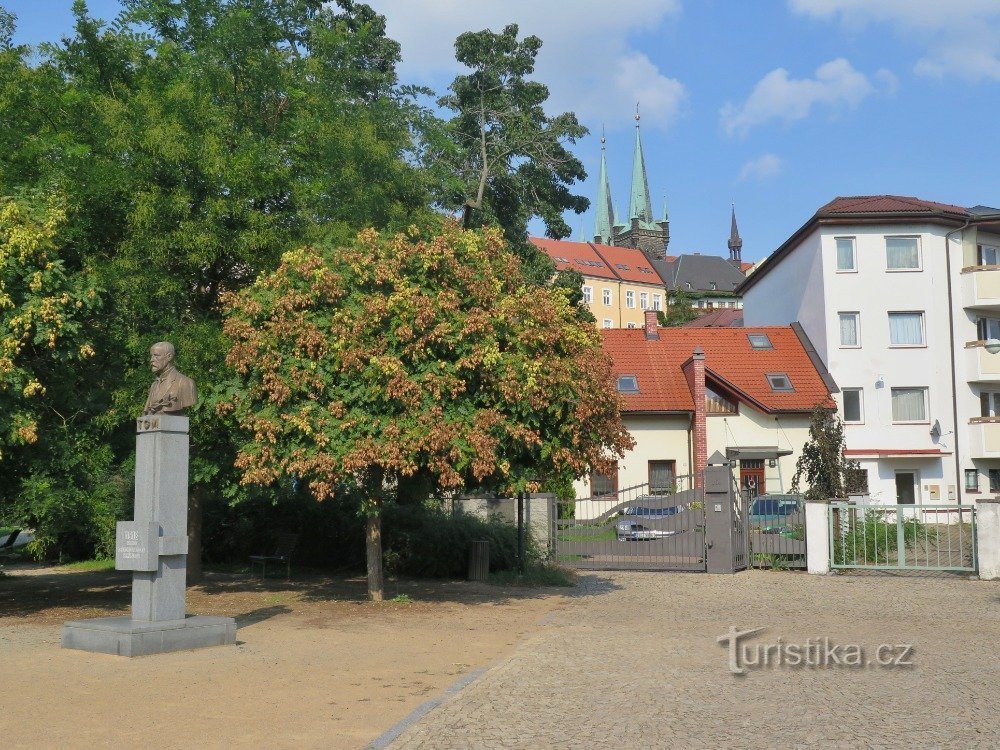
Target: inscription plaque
[137, 545]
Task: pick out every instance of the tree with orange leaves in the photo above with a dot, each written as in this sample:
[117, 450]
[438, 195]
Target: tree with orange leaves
[363, 366]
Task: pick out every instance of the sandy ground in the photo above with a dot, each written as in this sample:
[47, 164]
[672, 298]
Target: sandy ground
[314, 666]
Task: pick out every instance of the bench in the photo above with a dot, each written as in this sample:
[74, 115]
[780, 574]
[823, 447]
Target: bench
[283, 549]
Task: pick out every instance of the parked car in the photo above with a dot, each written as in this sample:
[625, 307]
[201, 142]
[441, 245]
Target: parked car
[630, 530]
[770, 513]
[648, 512]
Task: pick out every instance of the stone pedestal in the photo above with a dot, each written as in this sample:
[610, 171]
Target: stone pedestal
[154, 547]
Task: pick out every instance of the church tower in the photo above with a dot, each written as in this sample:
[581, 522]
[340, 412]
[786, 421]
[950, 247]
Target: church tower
[735, 242]
[605, 210]
[642, 230]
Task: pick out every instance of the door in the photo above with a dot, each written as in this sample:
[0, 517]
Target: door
[906, 482]
[752, 476]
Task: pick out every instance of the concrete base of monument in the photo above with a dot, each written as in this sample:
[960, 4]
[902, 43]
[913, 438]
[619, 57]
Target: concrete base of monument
[126, 637]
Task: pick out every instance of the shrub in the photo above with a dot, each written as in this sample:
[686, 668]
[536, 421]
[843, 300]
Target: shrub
[874, 538]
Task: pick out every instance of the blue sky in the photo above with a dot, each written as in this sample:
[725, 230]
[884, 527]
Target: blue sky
[776, 105]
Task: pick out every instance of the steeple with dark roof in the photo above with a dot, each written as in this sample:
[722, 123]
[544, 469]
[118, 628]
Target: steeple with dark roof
[605, 221]
[735, 241]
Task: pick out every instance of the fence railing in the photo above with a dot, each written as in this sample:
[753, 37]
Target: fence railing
[776, 530]
[903, 537]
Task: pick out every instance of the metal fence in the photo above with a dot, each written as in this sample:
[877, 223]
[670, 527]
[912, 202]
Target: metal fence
[776, 531]
[633, 530]
[903, 537]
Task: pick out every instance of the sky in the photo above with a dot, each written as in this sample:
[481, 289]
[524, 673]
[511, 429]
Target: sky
[774, 106]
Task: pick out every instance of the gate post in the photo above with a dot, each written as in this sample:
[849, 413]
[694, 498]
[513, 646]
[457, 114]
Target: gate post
[719, 516]
[818, 524]
[988, 537]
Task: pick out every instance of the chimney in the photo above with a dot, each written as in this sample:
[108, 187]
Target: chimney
[652, 323]
[694, 371]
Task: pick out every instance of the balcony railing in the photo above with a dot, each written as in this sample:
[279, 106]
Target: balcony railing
[980, 365]
[984, 437]
[981, 287]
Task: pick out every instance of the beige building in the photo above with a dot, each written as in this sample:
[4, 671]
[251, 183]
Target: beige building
[619, 283]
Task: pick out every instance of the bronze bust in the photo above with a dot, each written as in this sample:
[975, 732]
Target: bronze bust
[171, 392]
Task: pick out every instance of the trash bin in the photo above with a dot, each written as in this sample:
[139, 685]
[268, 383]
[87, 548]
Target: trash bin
[479, 561]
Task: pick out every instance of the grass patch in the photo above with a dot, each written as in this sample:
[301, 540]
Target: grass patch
[107, 563]
[588, 534]
[402, 599]
[536, 574]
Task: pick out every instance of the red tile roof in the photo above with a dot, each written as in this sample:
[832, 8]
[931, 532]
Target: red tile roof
[727, 317]
[603, 261]
[876, 204]
[729, 360]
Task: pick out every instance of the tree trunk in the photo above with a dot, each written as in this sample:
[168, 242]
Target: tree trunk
[373, 552]
[194, 571]
[467, 217]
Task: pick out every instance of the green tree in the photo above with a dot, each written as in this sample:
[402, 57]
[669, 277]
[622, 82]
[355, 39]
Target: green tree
[822, 463]
[679, 310]
[395, 356]
[505, 161]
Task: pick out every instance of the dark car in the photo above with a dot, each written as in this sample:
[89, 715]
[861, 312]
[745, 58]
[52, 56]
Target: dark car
[770, 513]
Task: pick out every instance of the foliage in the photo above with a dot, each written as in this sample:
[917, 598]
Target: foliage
[679, 310]
[503, 157]
[535, 574]
[875, 539]
[822, 461]
[361, 365]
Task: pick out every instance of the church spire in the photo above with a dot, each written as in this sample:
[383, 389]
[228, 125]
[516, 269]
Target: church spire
[735, 241]
[639, 205]
[605, 210]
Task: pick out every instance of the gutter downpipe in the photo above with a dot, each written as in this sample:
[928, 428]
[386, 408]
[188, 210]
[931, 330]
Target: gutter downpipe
[959, 484]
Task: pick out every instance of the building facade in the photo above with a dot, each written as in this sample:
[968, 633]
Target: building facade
[688, 392]
[899, 296]
[619, 283]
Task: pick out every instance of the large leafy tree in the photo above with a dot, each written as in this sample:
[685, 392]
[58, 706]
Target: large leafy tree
[827, 471]
[193, 142]
[393, 357]
[507, 160]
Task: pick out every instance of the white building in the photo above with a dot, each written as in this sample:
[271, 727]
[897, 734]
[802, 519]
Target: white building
[898, 296]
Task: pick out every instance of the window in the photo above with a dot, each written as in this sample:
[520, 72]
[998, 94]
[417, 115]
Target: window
[644, 300]
[718, 404]
[657, 302]
[909, 404]
[989, 404]
[687, 284]
[994, 480]
[759, 341]
[712, 286]
[972, 480]
[856, 481]
[606, 297]
[902, 254]
[662, 479]
[602, 485]
[987, 255]
[845, 254]
[849, 329]
[608, 323]
[628, 384]
[588, 294]
[853, 405]
[630, 299]
[779, 381]
[630, 325]
[906, 329]
[987, 328]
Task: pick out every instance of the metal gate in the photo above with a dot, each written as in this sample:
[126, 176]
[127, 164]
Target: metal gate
[776, 530]
[633, 529]
[903, 537]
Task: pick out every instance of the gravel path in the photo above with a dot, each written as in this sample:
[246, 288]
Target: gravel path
[637, 664]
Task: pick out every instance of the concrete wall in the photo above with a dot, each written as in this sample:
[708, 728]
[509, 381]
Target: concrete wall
[537, 518]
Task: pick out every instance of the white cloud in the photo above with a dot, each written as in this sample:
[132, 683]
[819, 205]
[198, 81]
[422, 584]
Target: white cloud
[959, 37]
[761, 168]
[778, 97]
[586, 59]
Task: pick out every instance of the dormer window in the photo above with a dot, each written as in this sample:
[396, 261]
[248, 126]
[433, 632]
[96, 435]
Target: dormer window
[779, 381]
[628, 384]
[712, 286]
[759, 341]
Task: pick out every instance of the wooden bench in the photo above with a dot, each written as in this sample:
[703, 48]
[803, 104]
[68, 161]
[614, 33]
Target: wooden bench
[283, 549]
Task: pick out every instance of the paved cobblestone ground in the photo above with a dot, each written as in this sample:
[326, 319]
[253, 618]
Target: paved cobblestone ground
[633, 662]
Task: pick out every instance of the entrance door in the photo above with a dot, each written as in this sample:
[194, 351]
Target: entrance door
[752, 476]
[906, 482]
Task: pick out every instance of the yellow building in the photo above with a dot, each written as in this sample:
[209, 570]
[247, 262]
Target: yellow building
[619, 283]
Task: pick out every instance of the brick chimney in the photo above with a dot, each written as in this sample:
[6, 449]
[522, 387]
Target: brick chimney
[652, 323]
[694, 371]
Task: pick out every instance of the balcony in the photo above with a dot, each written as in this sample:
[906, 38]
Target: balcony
[980, 365]
[981, 287]
[984, 437]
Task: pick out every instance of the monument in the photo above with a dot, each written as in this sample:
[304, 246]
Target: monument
[154, 545]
